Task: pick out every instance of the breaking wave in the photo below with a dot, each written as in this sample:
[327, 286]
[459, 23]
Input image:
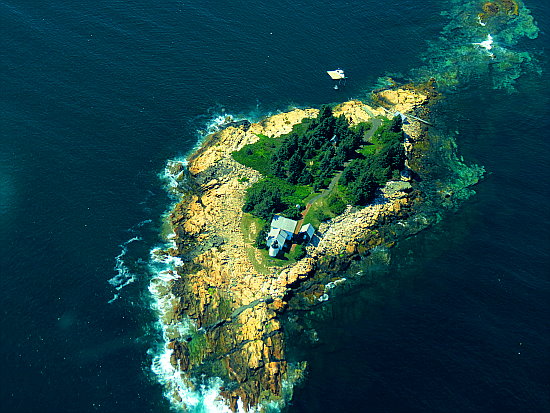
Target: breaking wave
[189, 394]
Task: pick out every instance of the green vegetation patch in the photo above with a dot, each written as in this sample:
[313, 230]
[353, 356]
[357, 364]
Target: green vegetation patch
[254, 230]
[271, 195]
[197, 346]
[322, 152]
[297, 253]
[327, 206]
[382, 159]
[258, 155]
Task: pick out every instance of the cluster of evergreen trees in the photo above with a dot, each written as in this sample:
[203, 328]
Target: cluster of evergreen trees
[268, 196]
[312, 153]
[314, 150]
[362, 176]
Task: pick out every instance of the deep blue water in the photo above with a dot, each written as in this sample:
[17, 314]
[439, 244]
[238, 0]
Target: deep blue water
[96, 97]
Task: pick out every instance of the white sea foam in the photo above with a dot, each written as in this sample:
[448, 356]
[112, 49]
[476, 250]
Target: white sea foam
[219, 117]
[144, 222]
[329, 287]
[115, 297]
[123, 275]
[190, 394]
[322, 298]
[217, 123]
[173, 174]
[334, 283]
[171, 262]
[486, 44]
[181, 391]
[167, 275]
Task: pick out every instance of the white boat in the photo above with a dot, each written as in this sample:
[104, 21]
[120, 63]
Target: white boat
[336, 74]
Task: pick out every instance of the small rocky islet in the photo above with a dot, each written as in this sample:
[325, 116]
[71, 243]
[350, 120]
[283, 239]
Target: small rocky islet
[222, 311]
[222, 302]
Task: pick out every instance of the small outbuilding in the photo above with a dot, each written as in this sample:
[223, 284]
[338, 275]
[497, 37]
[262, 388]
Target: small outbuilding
[306, 232]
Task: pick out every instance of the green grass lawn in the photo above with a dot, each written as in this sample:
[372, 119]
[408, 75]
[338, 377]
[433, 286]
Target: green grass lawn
[301, 193]
[258, 155]
[368, 150]
[250, 227]
[373, 146]
[260, 259]
[310, 197]
[323, 209]
[318, 212]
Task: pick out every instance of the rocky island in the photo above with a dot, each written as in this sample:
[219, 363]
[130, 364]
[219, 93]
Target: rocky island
[221, 300]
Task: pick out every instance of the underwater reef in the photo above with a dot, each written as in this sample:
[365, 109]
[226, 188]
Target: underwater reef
[482, 39]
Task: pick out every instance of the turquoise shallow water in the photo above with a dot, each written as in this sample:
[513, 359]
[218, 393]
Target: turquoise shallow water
[95, 99]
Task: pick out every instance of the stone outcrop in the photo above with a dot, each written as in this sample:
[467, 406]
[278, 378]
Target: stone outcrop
[237, 335]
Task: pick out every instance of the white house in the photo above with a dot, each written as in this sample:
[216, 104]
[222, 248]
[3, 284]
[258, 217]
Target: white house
[282, 230]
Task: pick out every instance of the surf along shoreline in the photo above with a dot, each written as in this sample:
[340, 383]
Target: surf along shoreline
[219, 309]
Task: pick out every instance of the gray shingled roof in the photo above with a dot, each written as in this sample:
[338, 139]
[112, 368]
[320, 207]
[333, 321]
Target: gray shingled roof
[284, 223]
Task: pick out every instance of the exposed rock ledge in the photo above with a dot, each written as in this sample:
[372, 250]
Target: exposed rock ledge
[234, 308]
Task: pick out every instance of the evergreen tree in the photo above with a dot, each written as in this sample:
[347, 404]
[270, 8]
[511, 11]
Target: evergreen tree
[393, 156]
[363, 188]
[352, 171]
[341, 126]
[338, 161]
[295, 168]
[325, 164]
[277, 166]
[263, 199]
[305, 178]
[324, 113]
[396, 124]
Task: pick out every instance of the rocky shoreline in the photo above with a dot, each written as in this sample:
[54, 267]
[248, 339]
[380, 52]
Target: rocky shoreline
[229, 309]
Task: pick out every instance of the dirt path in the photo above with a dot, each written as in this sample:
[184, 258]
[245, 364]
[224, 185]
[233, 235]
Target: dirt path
[376, 123]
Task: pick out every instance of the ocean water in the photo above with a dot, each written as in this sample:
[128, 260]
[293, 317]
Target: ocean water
[96, 97]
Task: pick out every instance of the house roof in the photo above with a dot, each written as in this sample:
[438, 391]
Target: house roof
[276, 235]
[308, 229]
[286, 224]
[275, 232]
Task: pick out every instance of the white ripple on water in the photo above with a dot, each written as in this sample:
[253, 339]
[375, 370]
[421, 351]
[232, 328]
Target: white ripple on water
[124, 276]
